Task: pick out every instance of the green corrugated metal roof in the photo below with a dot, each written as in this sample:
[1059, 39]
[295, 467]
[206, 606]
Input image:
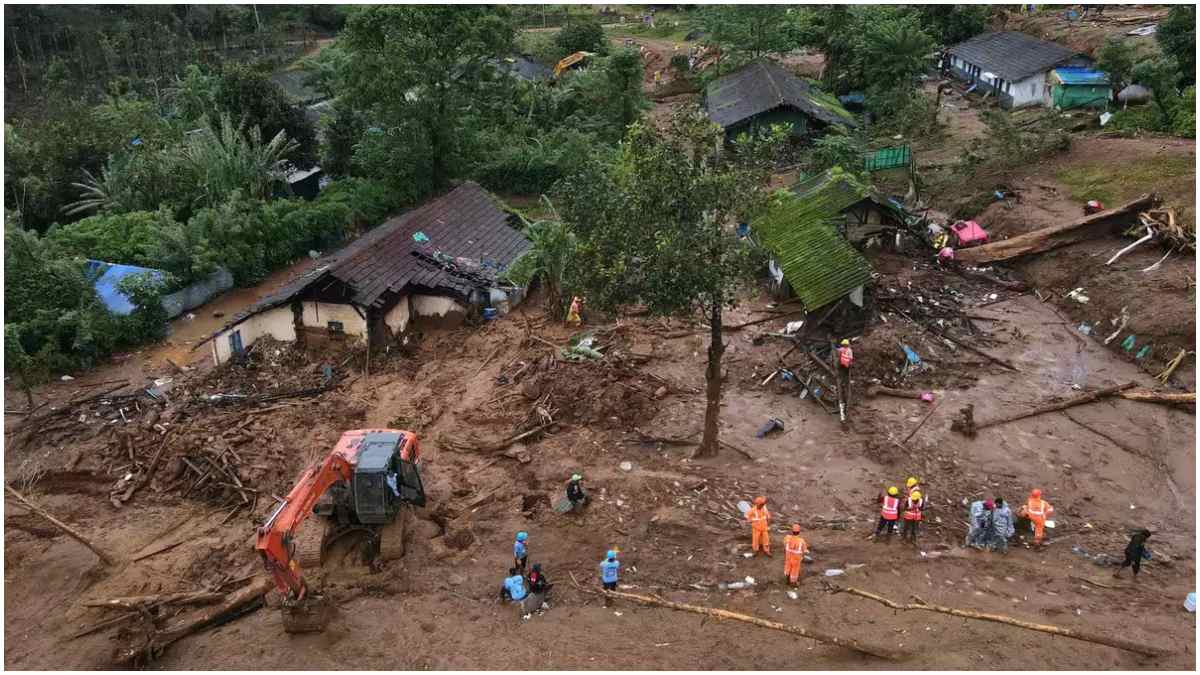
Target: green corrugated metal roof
[799, 229]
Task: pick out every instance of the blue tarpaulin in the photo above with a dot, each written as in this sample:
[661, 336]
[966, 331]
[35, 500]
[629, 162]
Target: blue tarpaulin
[106, 276]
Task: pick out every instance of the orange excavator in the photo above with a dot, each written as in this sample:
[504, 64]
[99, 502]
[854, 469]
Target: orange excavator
[365, 482]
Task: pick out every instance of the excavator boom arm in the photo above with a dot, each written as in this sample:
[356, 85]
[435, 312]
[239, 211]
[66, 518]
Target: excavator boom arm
[277, 533]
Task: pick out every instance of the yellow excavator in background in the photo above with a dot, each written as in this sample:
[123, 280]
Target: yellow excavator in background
[569, 61]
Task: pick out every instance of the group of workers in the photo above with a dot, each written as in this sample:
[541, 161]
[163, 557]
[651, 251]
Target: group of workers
[794, 546]
[992, 522]
[910, 508]
[532, 590]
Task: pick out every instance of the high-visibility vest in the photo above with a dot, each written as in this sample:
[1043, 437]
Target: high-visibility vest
[912, 510]
[919, 488]
[793, 545]
[891, 507]
[758, 515]
[1036, 508]
[845, 357]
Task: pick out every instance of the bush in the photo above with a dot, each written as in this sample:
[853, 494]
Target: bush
[1183, 114]
[148, 320]
[369, 202]
[584, 34]
[125, 238]
[530, 165]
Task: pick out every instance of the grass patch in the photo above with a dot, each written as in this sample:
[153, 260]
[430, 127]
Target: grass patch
[1116, 182]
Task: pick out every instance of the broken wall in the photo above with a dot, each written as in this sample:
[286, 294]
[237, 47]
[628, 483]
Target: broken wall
[277, 323]
[319, 314]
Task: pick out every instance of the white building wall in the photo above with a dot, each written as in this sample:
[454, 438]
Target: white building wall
[319, 314]
[434, 305]
[397, 317]
[277, 323]
[1029, 91]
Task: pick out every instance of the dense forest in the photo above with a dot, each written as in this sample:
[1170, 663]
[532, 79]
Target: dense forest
[158, 135]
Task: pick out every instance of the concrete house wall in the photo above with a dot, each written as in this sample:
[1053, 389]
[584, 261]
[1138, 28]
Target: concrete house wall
[319, 314]
[278, 323]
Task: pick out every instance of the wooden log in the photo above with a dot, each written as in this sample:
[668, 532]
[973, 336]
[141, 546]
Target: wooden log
[1180, 398]
[104, 557]
[739, 326]
[1060, 405]
[886, 653]
[880, 390]
[918, 427]
[136, 601]
[1048, 238]
[149, 473]
[235, 605]
[1119, 643]
[994, 359]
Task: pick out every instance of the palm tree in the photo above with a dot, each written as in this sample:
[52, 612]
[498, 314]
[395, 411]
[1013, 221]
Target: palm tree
[234, 157]
[110, 191]
[549, 257]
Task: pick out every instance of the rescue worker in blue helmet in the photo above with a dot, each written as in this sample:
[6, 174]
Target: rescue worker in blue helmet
[514, 586]
[520, 554]
[609, 573]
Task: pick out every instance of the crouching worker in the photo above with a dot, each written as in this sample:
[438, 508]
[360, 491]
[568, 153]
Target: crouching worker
[539, 590]
[575, 493]
[514, 586]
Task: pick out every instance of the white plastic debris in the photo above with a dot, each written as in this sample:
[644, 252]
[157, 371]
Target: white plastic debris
[794, 596]
[1190, 602]
[743, 506]
[67, 378]
[749, 581]
[747, 555]
[834, 573]
[626, 466]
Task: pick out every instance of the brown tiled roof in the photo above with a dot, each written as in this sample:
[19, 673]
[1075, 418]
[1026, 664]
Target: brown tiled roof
[465, 222]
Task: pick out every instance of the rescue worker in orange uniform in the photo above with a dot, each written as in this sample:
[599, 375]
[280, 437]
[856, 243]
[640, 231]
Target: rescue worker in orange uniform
[912, 517]
[889, 513]
[794, 549]
[760, 520]
[1037, 510]
[845, 358]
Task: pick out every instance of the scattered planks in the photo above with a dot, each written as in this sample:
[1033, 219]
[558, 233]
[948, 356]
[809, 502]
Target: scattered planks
[1053, 237]
[881, 652]
[144, 601]
[104, 557]
[236, 604]
[1119, 643]
[1052, 407]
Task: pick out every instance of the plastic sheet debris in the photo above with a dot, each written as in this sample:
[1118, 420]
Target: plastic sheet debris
[834, 572]
[1129, 343]
[1101, 559]
[1078, 296]
[1189, 603]
[1085, 329]
[772, 424]
[626, 466]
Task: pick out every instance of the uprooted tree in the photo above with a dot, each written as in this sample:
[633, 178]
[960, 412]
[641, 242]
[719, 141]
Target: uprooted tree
[655, 226]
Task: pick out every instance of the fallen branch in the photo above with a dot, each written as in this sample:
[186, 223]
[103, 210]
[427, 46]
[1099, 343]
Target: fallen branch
[1127, 249]
[1049, 238]
[104, 557]
[1061, 405]
[1160, 397]
[923, 421]
[235, 605]
[739, 326]
[989, 357]
[1119, 643]
[488, 359]
[143, 601]
[1171, 366]
[148, 474]
[880, 390]
[887, 653]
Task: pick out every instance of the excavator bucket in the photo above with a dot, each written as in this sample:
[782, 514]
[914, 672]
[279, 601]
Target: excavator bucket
[309, 615]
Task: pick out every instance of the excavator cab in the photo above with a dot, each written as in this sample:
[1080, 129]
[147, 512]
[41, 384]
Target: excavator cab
[383, 480]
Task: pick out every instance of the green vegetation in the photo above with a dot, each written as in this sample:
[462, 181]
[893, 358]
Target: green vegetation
[651, 226]
[1116, 182]
[582, 35]
[1170, 75]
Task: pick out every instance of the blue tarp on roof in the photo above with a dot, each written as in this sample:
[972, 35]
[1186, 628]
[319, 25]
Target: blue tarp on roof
[1086, 76]
[106, 276]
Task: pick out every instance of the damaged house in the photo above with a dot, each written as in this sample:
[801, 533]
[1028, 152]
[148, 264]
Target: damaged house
[439, 262]
[857, 211]
[1014, 67]
[763, 93]
[809, 257]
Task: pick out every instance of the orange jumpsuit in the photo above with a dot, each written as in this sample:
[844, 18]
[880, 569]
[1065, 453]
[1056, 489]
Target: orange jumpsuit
[793, 556]
[1037, 509]
[759, 519]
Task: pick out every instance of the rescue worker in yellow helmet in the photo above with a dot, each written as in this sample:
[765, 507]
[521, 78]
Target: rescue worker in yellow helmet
[889, 513]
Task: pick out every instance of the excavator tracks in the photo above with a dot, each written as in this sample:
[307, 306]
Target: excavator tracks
[310, 544]
[391, 536]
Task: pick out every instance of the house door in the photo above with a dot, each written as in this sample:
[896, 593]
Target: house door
[235, 343]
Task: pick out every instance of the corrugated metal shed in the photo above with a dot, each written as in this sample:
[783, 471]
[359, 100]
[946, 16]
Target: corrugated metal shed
[1010, 55]
[1080, 76]
[763, 85]
[799, 230]
[888, 158]
[106, 276]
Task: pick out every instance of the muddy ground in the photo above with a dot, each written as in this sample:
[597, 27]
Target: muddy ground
[1107, 467]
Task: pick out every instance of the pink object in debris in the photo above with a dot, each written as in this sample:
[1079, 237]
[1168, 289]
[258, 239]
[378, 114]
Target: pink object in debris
[969, 233]
[927, 397]
[946, 254]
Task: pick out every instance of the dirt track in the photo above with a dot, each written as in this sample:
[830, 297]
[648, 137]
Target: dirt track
[671, 518]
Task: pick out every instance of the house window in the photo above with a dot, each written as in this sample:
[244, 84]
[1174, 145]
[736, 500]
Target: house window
[336, 327]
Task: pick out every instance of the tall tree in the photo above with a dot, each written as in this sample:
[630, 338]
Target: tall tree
[751, 31]
[416, 67]
[654, 226]
[1177, 38]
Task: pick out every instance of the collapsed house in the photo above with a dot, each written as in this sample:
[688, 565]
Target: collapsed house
[763, 93]
[809, 257]
[440, 261]
[857, 211]
[1015, 67]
